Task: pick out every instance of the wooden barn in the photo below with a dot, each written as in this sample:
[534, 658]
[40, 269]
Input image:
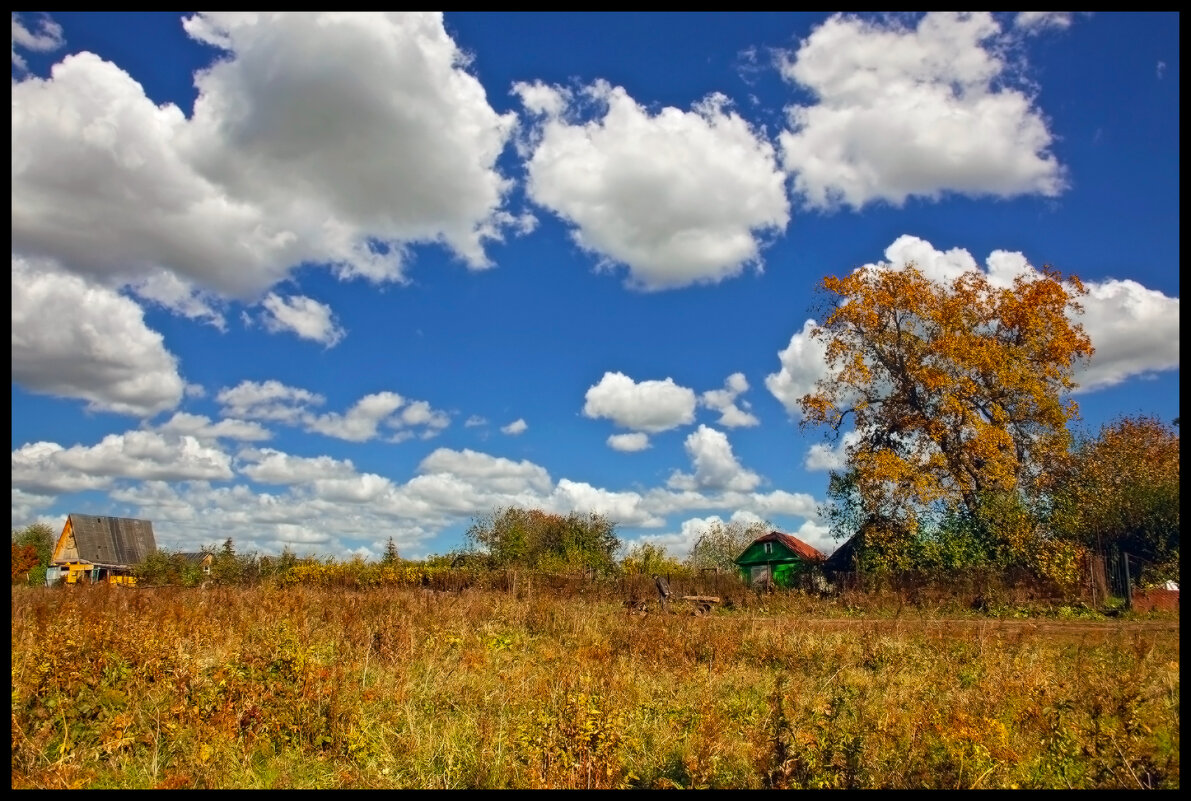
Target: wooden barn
[776, 559]
[93, 548]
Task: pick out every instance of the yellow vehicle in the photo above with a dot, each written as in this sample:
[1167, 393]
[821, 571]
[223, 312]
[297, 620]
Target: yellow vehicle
[83, 573]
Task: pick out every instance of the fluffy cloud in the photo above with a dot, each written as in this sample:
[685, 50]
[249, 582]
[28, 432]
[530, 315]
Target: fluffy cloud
[629, 443]
[804, 362]
[912, 112]
[624, 508]
[75, 339]
[825, 457]
[168, 290]
[649, 406]
[201, 427]
[267, 400]
[25, 506]
[46, 36]
[680, 197]
[352, 126]
[1133, 329]
[715, 465]
[360, 422]
[272, 400]
[724, 402]
[144, 455]
[1033, 21]
[271, 466]
[1135, 332]
[333, 138]
[304, 316]
[420, 413]
[488, 473]
[514, 428]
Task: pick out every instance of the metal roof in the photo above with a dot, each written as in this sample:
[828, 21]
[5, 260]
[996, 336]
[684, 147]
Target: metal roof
[111, 540]
[793, 543]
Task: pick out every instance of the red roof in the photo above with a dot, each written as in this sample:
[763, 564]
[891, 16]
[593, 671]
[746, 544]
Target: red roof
[793, 543]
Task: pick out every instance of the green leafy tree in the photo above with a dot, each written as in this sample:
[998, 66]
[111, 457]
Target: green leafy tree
[720, 543]
[40, 538]
[541, 540]
[646, 559]
[1121, 489]
[227, 567]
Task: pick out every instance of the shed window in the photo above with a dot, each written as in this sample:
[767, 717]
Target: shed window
[769, 547]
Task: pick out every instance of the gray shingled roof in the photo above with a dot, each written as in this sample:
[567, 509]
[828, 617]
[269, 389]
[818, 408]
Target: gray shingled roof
[112, 540]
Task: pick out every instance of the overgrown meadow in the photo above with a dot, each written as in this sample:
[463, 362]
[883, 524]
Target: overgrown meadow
[394, 687]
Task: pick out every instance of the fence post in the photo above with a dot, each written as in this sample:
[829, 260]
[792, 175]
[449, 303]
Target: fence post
[1128, 583]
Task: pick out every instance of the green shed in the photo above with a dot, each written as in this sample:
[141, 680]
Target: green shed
[777, 559]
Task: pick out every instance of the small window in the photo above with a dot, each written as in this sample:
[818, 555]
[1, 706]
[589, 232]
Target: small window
[769, 547]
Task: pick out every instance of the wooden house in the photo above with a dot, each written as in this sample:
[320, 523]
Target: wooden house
[96, 548]
[204, 559]
[776, 559]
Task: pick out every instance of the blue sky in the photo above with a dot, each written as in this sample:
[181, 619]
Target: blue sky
[317, 280]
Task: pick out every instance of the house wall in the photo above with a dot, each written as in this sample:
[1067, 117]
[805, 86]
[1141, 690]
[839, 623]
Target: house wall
[66, 550]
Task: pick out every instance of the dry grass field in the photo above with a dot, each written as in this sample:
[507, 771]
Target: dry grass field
[399, 688]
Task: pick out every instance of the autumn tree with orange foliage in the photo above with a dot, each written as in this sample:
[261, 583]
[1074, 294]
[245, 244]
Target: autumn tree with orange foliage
[958, 391]
[1120, 489]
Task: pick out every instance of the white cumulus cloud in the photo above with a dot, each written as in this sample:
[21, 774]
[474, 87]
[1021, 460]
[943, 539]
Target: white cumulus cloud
[635, 441]
[267, 400]
[649, 406]
[716, 467]
[304, 316]
[679, 197]
[516, 427]
[324, 138]
[724, 402]
[76, 339]
[360, 422]
[904, 112]
[143, 455]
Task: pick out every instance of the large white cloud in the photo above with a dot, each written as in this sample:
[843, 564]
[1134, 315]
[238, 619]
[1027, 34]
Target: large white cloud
[716, 467]
[649, 406]
[325, 504]
[334, 138]
[143, 455]
[680, 197]
[920, 111]
[76, 339]
[352, 126]
[1134, 330]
